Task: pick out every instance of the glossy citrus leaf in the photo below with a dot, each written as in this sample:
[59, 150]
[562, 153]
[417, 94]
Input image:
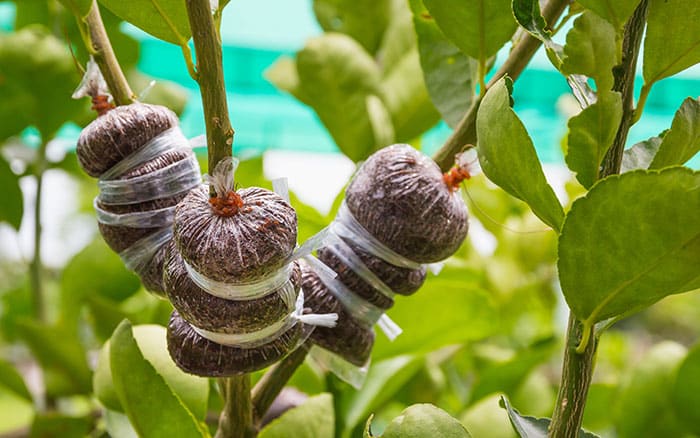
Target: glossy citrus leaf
[152, 407]
[424, 420]
[531, 427]
[363, 20]
[640, 155]
[615, 12]
[682, 141]
[591, 133]
[632, 240]
[508, 158]
[450, 76]
[164, 19]
[672, 41]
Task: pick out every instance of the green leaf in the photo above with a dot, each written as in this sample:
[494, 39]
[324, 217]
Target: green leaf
[364, 20]
[645, 408]
[12, 205]
[508, 157]
[682, 141]
[38, 78]
[591, 49]
[531, 427]
[407, 100]
[632, 240]
[685, 394]
[164, 19]
[117, 425]
[336, 76]
[458, 304]
[153, 409]
[57, 425]
[11, 379]
[450, 76]
[283, 74]
[66, 359]
[506, 377]
[527, 14]
[479, 28]
[425, 420]
[615, 12]
[640, 155]
[672, 41]
[383, 380]
[591, 133]
[313, 419]
[78, 7]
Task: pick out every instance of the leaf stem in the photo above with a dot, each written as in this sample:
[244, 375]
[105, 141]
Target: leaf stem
[272, 382]
[97, 43]
[36, 266]
[519, 57]
[577, 368]
[210, 77]
[643, 94]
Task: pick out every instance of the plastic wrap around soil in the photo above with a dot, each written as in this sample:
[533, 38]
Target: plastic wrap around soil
[348, 339]
[197, 355]
[151, 274]
[120, 132]
[244, 247]
[398, 195]
[215, 314]
[402, 281]
[120, 237]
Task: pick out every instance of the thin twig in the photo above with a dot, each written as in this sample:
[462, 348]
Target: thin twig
[236, 420]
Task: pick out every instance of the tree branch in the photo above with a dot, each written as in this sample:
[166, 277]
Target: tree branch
[236, 420]
[101, 49]
[577, 368]
[519, 57]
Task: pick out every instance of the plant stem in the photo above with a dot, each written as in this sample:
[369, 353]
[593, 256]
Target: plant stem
[101, 49]
[577, 368]
[36, 266]
[624, 83]
[519, 57]
[236, 419]
[272, 382]
[210, 76]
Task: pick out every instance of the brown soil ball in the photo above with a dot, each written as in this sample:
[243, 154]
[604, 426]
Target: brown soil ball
[151, 274]
[399, 196]
[120, 237]
[245, 246]
[219, 315]
[402, 281]
[349, 338]
[197, 355]
[118, 133]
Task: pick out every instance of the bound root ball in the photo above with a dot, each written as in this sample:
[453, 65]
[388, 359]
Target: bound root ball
[120, 237]
[219, 315]
[120, 132]
[400, 197]
[151, 274]
[349, 338]
[402, 281]
[197, 355]
[242, 238]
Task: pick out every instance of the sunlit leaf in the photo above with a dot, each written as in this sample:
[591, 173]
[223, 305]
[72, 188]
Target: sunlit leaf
[450, 76]
[313, 419]
[682, 141]
[152, 407]
[615, 12]
[425, 420]
[672, 41]
[479, 28]
[507, 156]
[363, 20]
[591, 133]
[632, 240]
[11, 379]
[12, 205]
[164, 19]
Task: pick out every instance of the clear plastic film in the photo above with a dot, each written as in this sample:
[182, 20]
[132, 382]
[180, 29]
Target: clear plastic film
[170, 139]
[162, 217]
[138, 255]
[167, 182]
[273, 331]
[347, 372]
